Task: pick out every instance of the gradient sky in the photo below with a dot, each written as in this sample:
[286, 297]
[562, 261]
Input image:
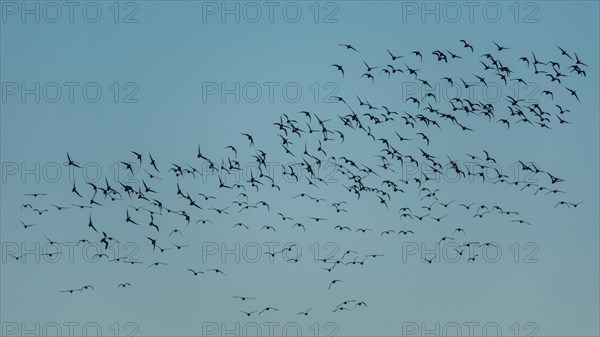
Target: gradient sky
[173, 52]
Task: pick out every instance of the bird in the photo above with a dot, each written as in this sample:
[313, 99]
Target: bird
[521, 221]
[239, 224]
[268, 309]
[35, 195]
[445, 238]
[333, 282]
[368, 76]
[466, 45]
[128, 218]
[217, 271]
[299, 225]
[74, 189]
[91, 225]
[524, 59]
[180, 246]
[59, 208]
[247, 313]
[26, 225]
[250, 138]
[500, 48]
[460, 230]
[563, 52]
[339, 68]
[505, 121]
[573, 93]
[417, 53]
[71, 162]
[369, 68]
[157, 264]
[360, 304]
[176, 231]
[305, 313]
[196, 273]
[348, 46]
[577, 61]
[341, 309]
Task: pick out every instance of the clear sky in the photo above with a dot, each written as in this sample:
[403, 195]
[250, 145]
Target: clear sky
[176, 74]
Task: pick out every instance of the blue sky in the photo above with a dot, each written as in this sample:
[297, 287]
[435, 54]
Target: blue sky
[162, 66]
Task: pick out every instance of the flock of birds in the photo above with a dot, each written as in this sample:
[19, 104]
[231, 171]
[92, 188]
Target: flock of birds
[309, 140]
